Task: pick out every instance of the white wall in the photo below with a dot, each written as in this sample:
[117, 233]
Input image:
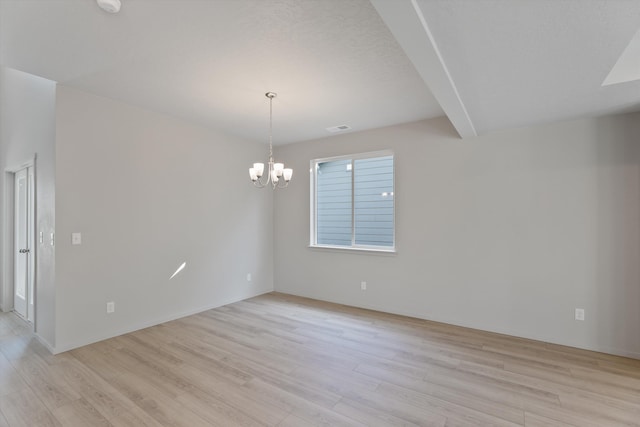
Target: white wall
[508, 232]
[27, 131]
[149, 192]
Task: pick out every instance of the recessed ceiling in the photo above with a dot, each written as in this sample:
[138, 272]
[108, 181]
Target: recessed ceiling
[330, 61]
[486, 64]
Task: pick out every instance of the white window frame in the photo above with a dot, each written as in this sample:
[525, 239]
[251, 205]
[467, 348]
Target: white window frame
[314, 203]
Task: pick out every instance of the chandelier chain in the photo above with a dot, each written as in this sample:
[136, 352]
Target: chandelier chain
[270, 128]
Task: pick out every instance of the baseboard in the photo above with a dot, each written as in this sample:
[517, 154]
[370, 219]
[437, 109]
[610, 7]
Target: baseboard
[175, 316]
[45, 343]
[147, 324]
[455, 322]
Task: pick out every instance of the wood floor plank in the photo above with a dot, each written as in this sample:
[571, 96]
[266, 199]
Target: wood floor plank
[402, 408]
[162, 378]
[80, 413]
[216, 411]
[48, 384]
[562, 415]
[625, 379]
[504, 407]
[24, 409]
[101, 395]
[229, 393]
[10, 379]
[301, 407]
[452, 411]
[283, 360]
[369, 416]
[19, 346]
[162, 407]
[100, 361]
[134, 418]
[496, 379]
[335, 381]
[294, 421]
[532, 420]
[559, 384]
[614, 410]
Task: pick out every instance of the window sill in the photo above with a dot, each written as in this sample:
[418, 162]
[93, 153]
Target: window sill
[361, 250]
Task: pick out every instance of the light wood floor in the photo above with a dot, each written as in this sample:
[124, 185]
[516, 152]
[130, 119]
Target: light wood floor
[279, 360]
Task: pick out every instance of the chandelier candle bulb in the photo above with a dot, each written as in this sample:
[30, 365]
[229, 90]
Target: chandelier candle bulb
[275, 170]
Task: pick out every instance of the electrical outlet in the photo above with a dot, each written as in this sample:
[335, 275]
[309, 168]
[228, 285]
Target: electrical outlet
[363, 286]
[111, 307]
[579, 313]
[248, 277]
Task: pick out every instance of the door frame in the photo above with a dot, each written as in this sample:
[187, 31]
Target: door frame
[8, 236]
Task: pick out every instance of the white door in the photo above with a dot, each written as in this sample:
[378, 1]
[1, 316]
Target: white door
[23, 235]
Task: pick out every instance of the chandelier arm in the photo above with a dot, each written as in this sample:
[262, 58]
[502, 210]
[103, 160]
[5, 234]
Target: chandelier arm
[260, 183]
[282, 183]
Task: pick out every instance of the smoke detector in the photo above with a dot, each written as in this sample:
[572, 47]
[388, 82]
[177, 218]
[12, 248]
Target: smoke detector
[111, 6]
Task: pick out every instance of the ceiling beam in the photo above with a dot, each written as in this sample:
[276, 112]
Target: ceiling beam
[408, 25]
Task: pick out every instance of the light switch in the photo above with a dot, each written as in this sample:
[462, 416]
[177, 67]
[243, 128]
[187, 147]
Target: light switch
[41, 237]
[76, 238]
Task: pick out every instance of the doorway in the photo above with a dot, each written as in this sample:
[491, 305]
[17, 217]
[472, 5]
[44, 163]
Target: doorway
[23, 243]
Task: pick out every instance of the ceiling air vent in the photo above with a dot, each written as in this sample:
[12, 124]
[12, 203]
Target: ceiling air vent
[340, 128]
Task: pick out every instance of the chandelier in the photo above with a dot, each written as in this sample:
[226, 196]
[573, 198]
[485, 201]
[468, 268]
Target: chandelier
[277, 175]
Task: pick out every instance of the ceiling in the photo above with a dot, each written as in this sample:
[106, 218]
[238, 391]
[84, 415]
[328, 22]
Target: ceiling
[486, 64]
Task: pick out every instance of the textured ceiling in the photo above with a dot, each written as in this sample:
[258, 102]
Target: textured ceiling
[486, 64]
[332, 62]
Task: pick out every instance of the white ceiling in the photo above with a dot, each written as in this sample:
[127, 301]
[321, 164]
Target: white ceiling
[486, 64]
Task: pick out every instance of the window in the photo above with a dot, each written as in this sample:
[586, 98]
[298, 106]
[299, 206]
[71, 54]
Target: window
[352, 202]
